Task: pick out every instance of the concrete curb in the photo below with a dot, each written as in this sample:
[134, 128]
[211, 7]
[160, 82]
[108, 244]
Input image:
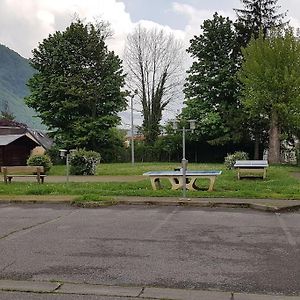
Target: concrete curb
[130, 292]
[212, 204]
[256, 204]
[29, 286]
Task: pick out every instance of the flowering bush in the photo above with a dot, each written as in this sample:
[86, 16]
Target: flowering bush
[84, 162]
[230, 159]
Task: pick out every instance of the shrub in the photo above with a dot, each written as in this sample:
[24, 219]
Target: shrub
[230, 159]
[84, 162]
[40, 160]
[53, 153]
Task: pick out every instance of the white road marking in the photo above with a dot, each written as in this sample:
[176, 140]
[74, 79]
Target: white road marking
[286, 231]
[163, 222]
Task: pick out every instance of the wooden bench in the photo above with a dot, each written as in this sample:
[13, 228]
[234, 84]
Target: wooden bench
[176, 179]
[251, 168]
[9, 172]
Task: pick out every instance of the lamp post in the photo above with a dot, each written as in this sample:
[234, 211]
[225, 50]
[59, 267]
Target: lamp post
[63, 153]
[184, 161]
[132, 129]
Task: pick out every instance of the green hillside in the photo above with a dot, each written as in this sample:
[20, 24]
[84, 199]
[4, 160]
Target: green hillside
[14, 74]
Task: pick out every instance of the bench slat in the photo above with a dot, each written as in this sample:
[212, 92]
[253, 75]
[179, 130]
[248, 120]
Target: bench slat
[23, 171]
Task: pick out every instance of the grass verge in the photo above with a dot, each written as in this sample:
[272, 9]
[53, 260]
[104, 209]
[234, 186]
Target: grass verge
[281, 183]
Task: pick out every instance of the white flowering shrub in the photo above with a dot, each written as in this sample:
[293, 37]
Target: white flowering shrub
[230, 159]
[84, 162]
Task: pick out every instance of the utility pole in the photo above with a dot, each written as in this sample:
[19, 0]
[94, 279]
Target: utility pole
[132, 128]
[184, 161]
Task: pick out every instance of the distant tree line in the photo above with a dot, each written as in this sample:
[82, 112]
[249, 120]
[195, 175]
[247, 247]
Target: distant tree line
[242, 87]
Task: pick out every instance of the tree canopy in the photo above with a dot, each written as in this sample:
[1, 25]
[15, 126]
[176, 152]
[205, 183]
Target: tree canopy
[257, 16]
[77, 87]
[211, 86]
[270, 76]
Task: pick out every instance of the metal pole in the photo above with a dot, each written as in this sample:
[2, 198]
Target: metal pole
[67, 166]
[132, 138]
[184, 164]
[183, 143]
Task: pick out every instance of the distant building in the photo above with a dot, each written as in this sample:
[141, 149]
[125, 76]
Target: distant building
[18, 142]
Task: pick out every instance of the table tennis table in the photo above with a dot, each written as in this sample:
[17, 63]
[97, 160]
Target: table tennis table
[251, 168]
[176, 179]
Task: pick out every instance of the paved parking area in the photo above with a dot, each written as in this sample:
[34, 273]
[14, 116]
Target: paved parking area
[177, 247]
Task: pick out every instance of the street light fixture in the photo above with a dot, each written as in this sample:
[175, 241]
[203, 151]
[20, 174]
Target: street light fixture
[63, 153]
[184, 161]
[132, 133]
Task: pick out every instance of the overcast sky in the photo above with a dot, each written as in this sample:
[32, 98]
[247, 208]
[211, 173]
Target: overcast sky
[25, 23]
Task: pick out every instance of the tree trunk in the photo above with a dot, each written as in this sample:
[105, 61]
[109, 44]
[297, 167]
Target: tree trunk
[274, 140]
[256, 146]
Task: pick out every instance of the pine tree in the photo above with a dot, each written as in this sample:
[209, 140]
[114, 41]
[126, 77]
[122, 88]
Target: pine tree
[255, 16]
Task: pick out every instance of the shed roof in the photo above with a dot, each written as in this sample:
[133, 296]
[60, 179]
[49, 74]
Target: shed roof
[9, 138]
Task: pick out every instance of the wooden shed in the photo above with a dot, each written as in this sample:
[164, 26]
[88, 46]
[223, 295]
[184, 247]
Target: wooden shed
[15, 149]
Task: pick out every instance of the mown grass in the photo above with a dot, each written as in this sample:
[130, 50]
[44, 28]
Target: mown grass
[136, 169]
[280, 183]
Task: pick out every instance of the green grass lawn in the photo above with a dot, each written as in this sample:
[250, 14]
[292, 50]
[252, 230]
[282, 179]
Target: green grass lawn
[280, 183]
[137, 168]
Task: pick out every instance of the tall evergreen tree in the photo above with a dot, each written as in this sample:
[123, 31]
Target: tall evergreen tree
[255, 16]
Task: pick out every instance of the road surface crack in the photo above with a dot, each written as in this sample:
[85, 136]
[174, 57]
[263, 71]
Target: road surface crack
[34, 226]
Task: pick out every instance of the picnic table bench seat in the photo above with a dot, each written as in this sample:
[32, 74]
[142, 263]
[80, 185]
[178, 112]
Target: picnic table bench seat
[9, 172]
[176, 178]
[251, 168]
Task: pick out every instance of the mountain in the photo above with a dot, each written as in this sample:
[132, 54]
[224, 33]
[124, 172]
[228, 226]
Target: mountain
[15, 71]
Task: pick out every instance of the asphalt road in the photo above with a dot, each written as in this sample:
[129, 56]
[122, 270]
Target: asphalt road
[225, 249]
[31, 296]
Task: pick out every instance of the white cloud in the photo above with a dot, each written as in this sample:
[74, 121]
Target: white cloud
[294, 22]
[196, 17]
[28, 22]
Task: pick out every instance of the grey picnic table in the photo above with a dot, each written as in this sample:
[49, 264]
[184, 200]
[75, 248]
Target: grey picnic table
[250, 168]
[176, 178]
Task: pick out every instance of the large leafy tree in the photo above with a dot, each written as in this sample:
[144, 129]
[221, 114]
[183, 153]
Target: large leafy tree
[77, 87]
[257, 16]
[154, 64]
[211, 85]
[270, 76]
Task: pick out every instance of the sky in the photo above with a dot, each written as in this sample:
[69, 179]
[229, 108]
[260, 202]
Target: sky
[25, 23]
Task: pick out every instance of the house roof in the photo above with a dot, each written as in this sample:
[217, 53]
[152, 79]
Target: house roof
[41, 138]
[9, 138]
[9, 123]
[10, 129]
